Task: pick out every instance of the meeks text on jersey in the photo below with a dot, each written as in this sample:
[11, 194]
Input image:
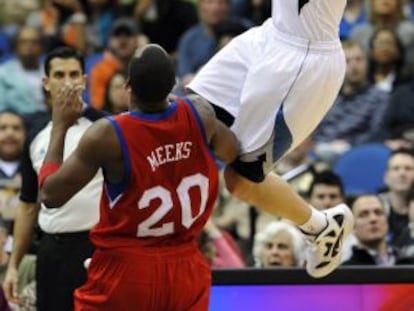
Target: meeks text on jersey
[169, 153]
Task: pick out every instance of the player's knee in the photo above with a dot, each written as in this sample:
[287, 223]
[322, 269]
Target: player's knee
[236, 184]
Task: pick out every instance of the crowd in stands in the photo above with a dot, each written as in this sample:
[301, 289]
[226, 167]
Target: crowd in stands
[374, 106]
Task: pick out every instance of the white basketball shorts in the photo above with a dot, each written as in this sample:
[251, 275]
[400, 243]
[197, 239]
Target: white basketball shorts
[277, 87]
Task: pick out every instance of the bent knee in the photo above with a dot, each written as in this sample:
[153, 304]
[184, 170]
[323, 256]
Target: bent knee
[237, 185]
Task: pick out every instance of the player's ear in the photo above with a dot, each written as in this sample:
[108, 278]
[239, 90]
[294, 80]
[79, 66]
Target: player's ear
[45, 83]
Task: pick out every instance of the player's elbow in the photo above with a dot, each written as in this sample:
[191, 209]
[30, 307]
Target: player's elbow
[50, 199]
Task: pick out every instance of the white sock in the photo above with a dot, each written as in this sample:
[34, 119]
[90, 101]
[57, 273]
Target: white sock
[316, 223]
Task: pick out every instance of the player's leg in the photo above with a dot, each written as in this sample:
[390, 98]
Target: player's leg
[118, 282]
[324, 230]
[315, 75]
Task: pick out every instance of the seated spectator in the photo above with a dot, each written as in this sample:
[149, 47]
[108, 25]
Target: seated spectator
[386, 60]
[21, 77]
[223, 33]
[121, 46]
[198, 44]
[399, 176]
[357, 111]
[219, 247]
[62, 22]
[405, 241]
[386, 13]
[12, 136]
[371, 229]
[164, 21]
[354, 15]
[279, 244]
[326, 190]
[100, 16]
[397, 126]
[116, 98]
[14, 13]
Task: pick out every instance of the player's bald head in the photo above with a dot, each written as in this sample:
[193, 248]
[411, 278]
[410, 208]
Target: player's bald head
[151, 73]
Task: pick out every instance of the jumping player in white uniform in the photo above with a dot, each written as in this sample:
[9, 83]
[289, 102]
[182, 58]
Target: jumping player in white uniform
[273, 85]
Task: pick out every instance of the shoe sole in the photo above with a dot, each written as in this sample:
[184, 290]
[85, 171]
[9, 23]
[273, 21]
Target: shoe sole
[348, 225]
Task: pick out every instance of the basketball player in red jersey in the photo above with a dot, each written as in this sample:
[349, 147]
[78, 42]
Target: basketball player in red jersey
[160, 187]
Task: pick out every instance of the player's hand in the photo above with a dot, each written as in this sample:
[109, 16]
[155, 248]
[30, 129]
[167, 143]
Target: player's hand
[10, 286]
[68, 106]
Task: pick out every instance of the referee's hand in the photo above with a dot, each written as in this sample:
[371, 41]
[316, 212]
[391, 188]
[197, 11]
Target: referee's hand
[10, 286]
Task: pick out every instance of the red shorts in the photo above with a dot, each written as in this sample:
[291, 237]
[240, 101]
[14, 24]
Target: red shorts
[159, 279]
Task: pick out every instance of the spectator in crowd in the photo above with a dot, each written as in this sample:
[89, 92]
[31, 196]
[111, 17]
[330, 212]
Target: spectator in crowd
[279, 244]
[122, 43]
[397, 126]
[223, 33]
[326, 190]
[100, 15]
[356, 113]
[405, 241]
[13, 14]
[219, 247]
[64, 244]
[198, 44]
[62, 22]
[385, 13]
[371, 232]
[12, 136]
[386, 60]
[354, 15]
[164, 21]
[398, 178]
[21, 77]
[116, 98]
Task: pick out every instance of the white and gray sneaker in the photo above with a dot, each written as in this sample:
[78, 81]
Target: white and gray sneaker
[324, 251]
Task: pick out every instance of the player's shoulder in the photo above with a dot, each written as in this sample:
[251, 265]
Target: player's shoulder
[205, 112]
[202, 106]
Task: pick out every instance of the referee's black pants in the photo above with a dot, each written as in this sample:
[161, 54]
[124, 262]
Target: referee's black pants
[60, 270]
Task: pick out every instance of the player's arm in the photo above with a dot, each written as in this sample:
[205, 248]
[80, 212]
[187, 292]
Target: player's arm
[221, 139]
[24, 224]
[59, 184]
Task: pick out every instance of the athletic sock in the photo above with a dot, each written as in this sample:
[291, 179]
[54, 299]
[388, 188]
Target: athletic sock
[315, 224]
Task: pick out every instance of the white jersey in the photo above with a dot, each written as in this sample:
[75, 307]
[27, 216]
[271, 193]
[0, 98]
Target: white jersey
[316, 20]
[81, 212]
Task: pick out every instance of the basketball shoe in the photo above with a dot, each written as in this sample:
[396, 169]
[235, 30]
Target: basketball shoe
[324, 251]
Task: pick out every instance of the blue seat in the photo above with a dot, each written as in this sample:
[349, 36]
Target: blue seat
[362, 168]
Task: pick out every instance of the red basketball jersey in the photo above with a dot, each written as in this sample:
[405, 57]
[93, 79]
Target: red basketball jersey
[171, 185]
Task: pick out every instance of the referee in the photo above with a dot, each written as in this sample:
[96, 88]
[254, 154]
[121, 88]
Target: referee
[64, 244]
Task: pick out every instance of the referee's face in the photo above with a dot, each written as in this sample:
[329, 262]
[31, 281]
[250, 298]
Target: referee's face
[63, 71]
